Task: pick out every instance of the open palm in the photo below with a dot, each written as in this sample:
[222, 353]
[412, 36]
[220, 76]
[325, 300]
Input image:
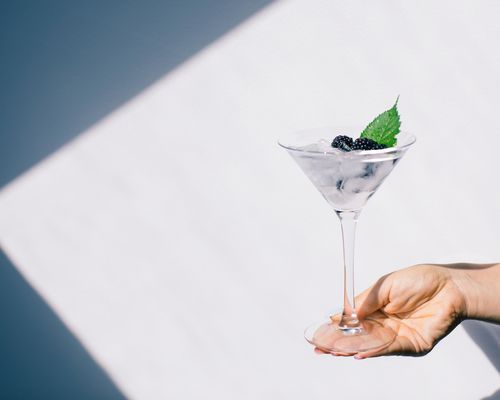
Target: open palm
[422, 304]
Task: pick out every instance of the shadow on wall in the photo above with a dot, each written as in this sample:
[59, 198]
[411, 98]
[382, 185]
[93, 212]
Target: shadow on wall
[40, 358]
[487, 337]
[65, 65]
[494, 396]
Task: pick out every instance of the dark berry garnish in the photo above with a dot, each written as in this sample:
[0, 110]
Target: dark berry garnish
[343, 143]
[367, 144]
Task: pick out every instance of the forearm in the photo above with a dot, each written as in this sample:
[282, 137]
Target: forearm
[480, 286]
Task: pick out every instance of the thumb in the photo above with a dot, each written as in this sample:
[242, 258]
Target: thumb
[374, 298]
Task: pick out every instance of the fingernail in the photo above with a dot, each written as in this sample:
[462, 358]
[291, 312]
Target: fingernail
[358, 357]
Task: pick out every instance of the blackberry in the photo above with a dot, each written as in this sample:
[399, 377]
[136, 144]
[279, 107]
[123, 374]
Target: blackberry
[343, 143]
[367, 144]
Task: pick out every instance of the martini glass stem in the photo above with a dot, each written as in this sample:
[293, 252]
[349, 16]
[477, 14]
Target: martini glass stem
[349, 320]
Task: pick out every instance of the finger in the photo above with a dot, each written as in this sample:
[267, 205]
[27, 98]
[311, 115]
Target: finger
[373, 298]
[319, 351]
[341, 354]
[401, 345]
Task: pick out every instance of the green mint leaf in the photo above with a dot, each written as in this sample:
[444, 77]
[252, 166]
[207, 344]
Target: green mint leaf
[385, 127]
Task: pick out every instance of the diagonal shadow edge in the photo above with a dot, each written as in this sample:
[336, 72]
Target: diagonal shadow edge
[67, 66]
[60, 79]
[486, 336]
[41, 357]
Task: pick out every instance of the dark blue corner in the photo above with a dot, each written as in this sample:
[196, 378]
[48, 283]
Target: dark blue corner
[64, 65]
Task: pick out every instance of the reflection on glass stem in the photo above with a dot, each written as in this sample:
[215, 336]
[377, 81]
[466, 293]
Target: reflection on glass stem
[348, 220]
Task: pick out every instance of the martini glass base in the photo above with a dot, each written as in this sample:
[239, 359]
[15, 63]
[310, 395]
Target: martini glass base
[330, 338]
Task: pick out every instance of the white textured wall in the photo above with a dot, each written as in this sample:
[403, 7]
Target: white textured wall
[186, 250]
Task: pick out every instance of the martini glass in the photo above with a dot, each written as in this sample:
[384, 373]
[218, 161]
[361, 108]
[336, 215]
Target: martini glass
[346, 180]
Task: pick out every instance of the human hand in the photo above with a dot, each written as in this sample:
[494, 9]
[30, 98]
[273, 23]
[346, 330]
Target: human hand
[421, 304]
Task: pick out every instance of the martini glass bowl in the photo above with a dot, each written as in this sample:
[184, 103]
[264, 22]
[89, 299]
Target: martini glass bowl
[346, 180]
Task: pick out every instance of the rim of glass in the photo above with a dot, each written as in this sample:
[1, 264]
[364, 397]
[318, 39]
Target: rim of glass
[410, 139]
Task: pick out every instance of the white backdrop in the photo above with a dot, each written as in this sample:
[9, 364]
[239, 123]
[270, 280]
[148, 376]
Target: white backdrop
[187, 252]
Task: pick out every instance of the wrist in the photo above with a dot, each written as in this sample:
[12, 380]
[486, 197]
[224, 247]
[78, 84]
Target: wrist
[467, 289]
[479, 287]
